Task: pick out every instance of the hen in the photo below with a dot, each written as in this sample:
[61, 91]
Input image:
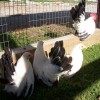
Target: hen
[84, 27]
[19, 78]
[49, 70]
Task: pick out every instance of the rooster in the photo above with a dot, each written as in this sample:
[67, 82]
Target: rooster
[77, 60]
[18, 79]
[50, 69]
[84, 27]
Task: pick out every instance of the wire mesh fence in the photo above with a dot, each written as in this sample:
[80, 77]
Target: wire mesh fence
[4, 41]
[23, 22]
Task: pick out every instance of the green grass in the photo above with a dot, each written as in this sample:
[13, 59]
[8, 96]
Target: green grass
[85, 85]
[22, 39]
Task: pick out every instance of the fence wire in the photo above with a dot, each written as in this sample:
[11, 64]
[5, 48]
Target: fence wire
[4, 41]
[24, 22]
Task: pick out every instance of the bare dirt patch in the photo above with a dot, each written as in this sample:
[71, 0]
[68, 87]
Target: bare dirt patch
[53, 28]
[59, 30]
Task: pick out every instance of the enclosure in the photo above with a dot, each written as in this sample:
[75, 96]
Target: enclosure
[24, 22]
[29, 21]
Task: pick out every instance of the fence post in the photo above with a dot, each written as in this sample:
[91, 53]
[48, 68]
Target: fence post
[98, 13]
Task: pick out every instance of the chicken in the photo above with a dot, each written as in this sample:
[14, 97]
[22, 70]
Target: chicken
[20, 77]
[49, 70]
[84, 27]
[77, 60]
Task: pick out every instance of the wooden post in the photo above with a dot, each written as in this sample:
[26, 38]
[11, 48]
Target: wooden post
[98, 14]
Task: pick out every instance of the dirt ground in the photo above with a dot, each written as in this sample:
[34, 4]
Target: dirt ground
[60, 30]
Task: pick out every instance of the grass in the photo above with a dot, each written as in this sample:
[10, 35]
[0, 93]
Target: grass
[85, 85]
[22, 39]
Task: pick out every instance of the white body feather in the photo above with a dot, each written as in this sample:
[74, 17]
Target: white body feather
[88, 26]
[43, 68]
[77, 59]
[23, 74]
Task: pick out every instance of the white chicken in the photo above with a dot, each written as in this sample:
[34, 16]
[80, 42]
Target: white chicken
[77, 60]
[21, 82]
[84, 27]
[49, 70]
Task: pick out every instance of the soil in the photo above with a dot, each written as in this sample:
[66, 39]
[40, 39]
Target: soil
[53, 28]
[60, 30]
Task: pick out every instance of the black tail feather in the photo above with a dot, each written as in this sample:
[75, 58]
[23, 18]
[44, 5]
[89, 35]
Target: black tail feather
[57, 61]
[57, 56]
[66, 65]
[78, 10]
[57, 53]
[8, 66]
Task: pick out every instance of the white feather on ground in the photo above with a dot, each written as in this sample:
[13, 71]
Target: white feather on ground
[23, 78]
[48, 72]
[77, 60]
